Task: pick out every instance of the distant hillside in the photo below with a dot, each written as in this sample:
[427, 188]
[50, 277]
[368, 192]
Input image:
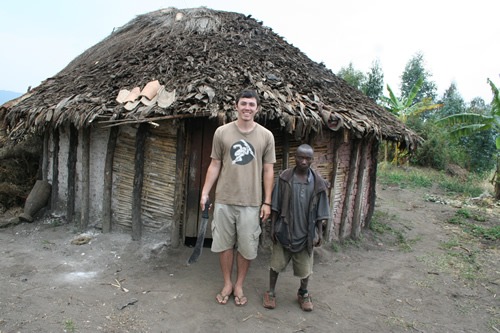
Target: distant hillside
[7, 96]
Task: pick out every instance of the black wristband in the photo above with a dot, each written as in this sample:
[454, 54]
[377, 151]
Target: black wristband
[267, 204]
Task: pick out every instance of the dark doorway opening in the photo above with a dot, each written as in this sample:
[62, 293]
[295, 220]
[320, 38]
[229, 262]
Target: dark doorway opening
[191, 242]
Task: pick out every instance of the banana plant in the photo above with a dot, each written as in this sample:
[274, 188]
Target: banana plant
[402, 108]
[467, 123]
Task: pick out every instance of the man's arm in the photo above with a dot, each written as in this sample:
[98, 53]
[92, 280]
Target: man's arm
[319, 228]
[212, 175]
[268, 179]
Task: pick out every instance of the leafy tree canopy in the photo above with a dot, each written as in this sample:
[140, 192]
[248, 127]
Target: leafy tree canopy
[352, 76]
[413, 71]
[374, 84]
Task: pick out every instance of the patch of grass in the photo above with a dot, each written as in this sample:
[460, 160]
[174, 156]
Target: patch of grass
[379, 226]
[404, 178]
[425, 178]
[457, 186]
[335, 246]
[350, 242]
[457, 261]
[473, 229]
[69, 326]
[400, 322]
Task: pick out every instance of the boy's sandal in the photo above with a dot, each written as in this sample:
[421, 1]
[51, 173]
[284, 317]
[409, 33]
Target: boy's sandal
[268, 300]
[305, 302]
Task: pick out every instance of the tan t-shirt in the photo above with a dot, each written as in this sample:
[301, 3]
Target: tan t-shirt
[242, 156]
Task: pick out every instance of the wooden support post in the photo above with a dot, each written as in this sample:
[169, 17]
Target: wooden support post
[55, 169]
[330, 228]
[72, 157]
[350, 181]
[181, 161]
[140, 141]
[85, 206]
[361, 185]
[45, 156]
[108, 180]
[373, 182]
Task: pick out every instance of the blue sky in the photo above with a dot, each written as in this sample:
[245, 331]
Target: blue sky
[459, 40]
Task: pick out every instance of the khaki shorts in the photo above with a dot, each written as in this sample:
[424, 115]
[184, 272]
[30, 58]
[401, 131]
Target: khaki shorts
[236, 226]
[302, 261]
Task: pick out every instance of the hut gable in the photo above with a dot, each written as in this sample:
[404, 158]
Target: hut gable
[202, 58]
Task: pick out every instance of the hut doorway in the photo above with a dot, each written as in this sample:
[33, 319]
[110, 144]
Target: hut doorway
[200, 142]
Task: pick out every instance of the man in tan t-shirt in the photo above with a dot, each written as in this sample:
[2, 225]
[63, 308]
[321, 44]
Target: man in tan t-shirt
[243, 158]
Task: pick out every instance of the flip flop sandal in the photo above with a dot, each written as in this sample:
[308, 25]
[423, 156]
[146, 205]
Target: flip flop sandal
[222, 299]
[240, 300]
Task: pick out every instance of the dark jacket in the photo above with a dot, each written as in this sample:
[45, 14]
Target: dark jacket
[285, 217]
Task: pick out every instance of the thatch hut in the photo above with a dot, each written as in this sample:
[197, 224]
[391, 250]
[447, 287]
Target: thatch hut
[128, 124]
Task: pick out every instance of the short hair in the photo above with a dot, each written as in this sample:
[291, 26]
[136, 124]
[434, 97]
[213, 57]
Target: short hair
[305, 146]
[248, 93]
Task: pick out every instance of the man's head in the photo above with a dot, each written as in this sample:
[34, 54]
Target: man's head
[247, 105]
[248, 93]
[304, 157]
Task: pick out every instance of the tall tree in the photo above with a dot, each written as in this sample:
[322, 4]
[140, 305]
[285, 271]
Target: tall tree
[414, 70]
[352, 76]
[468, 123]
[374, 84]
[453, 102]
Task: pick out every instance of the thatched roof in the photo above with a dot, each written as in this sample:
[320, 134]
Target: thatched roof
[196, 61]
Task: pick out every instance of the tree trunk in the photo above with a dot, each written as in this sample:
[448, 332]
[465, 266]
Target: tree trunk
[497, 179]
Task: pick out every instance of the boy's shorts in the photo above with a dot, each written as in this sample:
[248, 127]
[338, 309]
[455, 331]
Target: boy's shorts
[236, 226]
[302, 261]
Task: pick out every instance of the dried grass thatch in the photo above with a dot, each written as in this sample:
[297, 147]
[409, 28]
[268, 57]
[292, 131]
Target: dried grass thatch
[201, 59]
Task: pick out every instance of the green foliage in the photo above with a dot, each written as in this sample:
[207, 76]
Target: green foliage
[380, 226]
[404, 178]
[452, 101]
[437, 150]
[453, 185]
[377, 225]
[414, 70]
[352, 76]
[480, 150]
[373, 86]
[483, 232]
[407, 106]
[467, 124]
[420, 178]
[69, 326]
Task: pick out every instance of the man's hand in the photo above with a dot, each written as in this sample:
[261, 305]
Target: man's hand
[265, 212]
[319, 241]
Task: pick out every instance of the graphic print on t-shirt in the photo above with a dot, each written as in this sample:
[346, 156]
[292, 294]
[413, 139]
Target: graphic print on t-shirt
[242, 152]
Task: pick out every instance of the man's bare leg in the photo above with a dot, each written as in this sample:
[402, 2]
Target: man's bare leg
[242, 265]
[226, 265]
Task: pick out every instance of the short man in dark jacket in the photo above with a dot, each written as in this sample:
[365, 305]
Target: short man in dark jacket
[299, 209]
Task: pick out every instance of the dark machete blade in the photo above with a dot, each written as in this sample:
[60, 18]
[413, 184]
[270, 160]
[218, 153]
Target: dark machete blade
[201, 235]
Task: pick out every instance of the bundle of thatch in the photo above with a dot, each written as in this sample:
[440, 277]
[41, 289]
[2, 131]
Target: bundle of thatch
[201, 59]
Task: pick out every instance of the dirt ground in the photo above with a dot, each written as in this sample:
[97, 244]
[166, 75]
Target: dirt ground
[399, 281]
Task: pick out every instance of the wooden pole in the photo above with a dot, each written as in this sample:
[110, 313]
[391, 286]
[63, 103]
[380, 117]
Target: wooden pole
[330, 228]
[361, 185]
[140, 141]
[181, 159]
[72, 156]
[55, 169]
[373, 182]
[108, 180]
[350, 181]
[85, 207]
